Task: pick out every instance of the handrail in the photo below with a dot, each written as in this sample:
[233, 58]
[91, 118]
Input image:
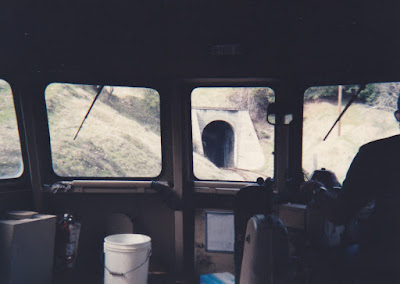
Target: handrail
[219, 187]
[101, 186]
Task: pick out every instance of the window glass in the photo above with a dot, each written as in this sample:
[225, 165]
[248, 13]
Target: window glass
[231, 138]
[120, 136]
[11, 165]
[369, 118]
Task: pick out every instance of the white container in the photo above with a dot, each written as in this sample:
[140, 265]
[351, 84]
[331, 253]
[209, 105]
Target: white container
[126, 259]
[19, 215]
[27, 249]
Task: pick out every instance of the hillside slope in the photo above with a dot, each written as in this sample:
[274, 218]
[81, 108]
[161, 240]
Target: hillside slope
[111, 142]
[10, 149]
[359, 125]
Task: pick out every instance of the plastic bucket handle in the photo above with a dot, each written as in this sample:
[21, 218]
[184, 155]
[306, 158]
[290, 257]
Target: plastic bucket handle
[129, 271]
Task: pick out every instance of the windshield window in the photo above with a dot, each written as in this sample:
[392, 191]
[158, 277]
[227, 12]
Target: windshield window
[231, 138]
[120, 136]
[11, 165]
[369, 118]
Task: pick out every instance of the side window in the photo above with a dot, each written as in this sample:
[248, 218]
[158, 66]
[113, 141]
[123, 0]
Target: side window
[119, 137]
[11, 165]
[231, 138]
[369, 118]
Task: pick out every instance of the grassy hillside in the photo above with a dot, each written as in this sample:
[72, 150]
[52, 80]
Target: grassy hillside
[10, 149]
[116, 139]
[360, 124]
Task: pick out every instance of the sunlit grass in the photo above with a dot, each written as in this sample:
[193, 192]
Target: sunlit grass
[109, 143]
[359, 125]
[10, 149]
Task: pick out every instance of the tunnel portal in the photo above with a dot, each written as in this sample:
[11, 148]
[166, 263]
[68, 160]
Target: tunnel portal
[218, 143]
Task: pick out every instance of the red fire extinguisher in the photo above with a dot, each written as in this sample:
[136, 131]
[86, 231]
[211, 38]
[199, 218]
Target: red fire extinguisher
[67, 240]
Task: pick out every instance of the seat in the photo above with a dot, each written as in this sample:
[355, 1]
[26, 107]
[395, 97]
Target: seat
[249, 201]
[266, 257]
[261, 239]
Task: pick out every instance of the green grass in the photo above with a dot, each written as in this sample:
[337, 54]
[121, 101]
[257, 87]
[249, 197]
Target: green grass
[111, 143]
[10, 149]
[359, 125]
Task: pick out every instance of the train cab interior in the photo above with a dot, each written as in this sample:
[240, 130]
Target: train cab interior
[183, 121]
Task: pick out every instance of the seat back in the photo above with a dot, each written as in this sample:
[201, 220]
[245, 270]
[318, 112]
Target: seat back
[266, 251]
[249, 201]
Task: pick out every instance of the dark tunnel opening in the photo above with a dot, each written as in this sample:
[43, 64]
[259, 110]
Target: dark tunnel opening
[218, 143]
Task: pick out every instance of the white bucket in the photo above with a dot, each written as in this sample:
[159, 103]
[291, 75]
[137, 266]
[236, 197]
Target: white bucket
[126, 258]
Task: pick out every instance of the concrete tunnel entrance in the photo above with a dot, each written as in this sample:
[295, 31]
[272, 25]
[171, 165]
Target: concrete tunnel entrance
[218, 143]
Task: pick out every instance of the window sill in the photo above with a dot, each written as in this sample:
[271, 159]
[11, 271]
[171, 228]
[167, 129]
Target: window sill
[100, 186]
[220, 187]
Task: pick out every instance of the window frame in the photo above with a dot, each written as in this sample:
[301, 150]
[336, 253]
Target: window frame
[89, 183]
[21, 182]
[218, 186]
[328, 83]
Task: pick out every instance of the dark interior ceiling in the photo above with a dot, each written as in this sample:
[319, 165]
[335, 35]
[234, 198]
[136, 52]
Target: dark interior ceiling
[120, 39]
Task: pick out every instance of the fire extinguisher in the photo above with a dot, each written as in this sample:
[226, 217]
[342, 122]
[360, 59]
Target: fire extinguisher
[67, 240]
